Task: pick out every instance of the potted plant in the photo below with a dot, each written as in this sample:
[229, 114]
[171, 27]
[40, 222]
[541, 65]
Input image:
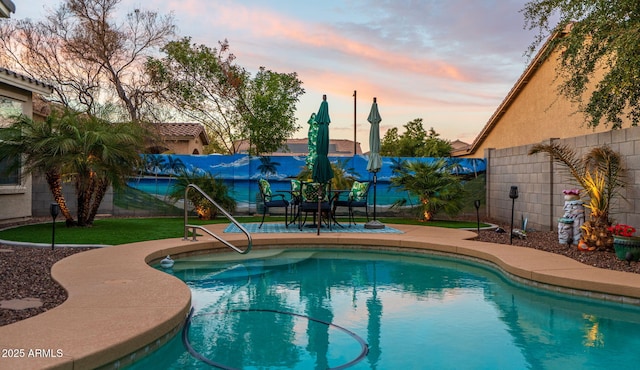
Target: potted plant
[626, 245]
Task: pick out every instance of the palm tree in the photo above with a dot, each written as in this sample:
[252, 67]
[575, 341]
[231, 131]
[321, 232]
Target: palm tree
[435, 184]
[174, 166]
[601, 175]
[398, 164]
[39, 146]
[267, 167]
[156, 163]
[342, 179]
[99, 154]
[92, 152]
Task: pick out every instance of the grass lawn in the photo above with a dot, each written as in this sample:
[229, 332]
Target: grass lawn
[114, 231]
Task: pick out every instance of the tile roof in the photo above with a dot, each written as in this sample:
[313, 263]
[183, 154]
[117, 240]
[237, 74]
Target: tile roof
[183, 129]
[459, 145]
[24, 82]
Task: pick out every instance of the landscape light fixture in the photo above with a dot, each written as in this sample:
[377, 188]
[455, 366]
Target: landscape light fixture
[54, 210]
[477, 205]
[513, 194]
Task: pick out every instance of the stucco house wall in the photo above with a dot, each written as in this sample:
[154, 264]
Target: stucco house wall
[531, 112]
[15, 199]
[181, 138]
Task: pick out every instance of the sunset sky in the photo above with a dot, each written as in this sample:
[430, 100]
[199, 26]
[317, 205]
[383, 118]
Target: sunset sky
[449, 62]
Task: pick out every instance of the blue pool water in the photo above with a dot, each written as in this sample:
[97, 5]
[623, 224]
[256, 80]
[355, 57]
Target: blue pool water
[314, 309]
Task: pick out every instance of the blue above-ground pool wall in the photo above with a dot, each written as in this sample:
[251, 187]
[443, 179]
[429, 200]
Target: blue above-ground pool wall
[241, 172]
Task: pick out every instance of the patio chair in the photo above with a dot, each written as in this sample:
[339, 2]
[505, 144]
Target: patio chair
[270, 200]
[311, 193]
[295, 200]
[357, 198]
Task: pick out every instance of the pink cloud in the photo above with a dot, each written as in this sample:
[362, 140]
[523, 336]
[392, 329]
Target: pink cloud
[264, 24]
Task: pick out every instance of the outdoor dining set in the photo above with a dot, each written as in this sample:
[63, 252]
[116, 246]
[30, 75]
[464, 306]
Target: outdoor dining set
[316, 196]
[318, 199]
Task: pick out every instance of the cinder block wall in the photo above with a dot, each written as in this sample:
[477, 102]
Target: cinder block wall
[42, 198]
[540, 182]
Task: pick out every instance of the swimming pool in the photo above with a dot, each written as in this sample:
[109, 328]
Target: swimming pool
[273, 309]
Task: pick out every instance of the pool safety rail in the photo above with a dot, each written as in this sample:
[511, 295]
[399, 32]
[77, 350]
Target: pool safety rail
[198, 227]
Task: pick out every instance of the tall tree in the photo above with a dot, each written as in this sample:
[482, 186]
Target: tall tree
[202, 83]
[87, 57]
[269, 107]
[206, 86]
[414, 142]
[434, 146]
[389, 142]
[599, 54]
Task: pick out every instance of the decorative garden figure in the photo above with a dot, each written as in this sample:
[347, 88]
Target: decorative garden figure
[570, 224]
[565, 230]
[576, 212]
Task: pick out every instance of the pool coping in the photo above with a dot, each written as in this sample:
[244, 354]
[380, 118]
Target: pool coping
[119, 309]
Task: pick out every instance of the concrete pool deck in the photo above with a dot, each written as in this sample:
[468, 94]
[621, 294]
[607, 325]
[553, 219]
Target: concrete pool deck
[119, 309]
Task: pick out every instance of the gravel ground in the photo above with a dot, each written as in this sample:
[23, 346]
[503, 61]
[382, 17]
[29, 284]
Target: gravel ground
[548, 241]
[25, 272]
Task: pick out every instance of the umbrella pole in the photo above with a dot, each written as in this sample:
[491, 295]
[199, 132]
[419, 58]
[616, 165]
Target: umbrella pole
[375, 187]
[375, 224]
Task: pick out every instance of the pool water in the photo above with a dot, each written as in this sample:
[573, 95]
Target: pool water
[319, 309]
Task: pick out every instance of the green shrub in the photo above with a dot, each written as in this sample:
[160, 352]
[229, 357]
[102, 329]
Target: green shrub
[214, 187]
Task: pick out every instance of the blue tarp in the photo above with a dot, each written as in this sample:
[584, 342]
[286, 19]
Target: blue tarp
[240, 172]
[241, 166]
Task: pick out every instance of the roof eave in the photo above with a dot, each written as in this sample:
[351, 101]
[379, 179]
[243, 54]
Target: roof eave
[6, 8]
[23, 82]
[204, 138]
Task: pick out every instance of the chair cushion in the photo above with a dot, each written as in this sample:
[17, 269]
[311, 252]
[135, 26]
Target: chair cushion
[310, 192]
[358, 191]
[295, 188]
[265, 188]
[277, 203]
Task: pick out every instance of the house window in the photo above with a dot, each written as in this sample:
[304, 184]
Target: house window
[9, 108]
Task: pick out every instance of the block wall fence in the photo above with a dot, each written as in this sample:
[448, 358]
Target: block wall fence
[540, 182]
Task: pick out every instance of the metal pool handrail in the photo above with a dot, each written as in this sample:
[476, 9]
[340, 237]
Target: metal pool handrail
[223, 211]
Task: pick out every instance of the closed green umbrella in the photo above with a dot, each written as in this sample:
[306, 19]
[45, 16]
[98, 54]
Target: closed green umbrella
[312, 140]
[322, 171]
[375, 161]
